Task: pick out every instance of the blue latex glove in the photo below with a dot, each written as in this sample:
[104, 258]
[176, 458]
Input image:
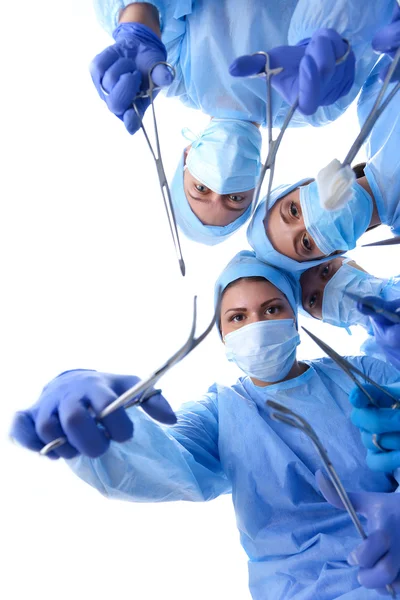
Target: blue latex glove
[68, 406]
[379, 555]
[387, 41]
[384, 421]
[122, 71]
[310, 70]
[386, 333]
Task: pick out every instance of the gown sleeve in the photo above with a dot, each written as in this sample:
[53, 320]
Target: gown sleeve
[160, 463]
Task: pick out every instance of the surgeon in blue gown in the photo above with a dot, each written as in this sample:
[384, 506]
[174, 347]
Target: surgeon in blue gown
[227, 443]
[300, 233]
[201, 38]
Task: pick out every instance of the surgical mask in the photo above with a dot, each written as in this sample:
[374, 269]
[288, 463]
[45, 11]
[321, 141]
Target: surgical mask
[265, 350]
[338, 229]
[226, 156]
[340, 310]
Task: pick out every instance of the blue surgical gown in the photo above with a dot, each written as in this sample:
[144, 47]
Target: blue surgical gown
[382, 149]
[203, 37]
[296, 542]
[391, 291]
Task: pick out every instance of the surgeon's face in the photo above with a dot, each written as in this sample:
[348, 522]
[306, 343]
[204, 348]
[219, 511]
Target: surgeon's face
[286, 230]
[212, 208]
[247, 301]
[313, 282]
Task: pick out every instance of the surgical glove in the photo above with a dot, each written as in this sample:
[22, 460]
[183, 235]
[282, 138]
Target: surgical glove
[383, 421]
[121, 70]
[68, 407]
[387, 41]
[387, 333]
[378, 556]
[309, 70]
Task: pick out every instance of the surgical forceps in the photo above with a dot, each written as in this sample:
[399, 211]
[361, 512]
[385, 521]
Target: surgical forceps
[375, 112]
[352, 371]
[389, 242]
[289, 417]
[166, 194]
[392, 316]
[273, 145]
[143, 390]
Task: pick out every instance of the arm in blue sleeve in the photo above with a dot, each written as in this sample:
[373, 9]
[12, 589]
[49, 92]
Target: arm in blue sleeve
[356, 21]
[160, 463]
[380, 371]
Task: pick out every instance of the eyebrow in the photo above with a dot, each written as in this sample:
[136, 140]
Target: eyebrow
[204, 200]
[243, 309]
[235, 209]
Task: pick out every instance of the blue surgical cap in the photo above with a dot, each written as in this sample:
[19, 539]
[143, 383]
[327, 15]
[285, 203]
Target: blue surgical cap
[190, 225]
[260, 243]
[245, 264]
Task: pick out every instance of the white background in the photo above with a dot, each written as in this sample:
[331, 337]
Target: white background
[89, 279]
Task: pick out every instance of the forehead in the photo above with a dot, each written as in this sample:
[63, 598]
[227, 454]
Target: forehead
[245, 291]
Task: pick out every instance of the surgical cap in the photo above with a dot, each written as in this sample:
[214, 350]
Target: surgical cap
[245, 264]
[260, 243]
[190, 225]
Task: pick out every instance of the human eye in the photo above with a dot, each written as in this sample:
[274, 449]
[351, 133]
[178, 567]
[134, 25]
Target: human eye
[238, 318]
[236, 198]
[200, 187]
[272, 310]
[306, 243]
[325, 271]
[312, 301]
[294, 211]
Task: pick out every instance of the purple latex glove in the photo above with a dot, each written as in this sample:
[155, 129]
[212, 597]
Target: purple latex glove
[387, 41]
[309, 70]
[378, 557]
[386, 333]
[122, 71]
[68, 407]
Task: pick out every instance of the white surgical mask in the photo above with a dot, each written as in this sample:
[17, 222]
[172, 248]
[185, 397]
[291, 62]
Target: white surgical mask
[340, 310]
[265, 350]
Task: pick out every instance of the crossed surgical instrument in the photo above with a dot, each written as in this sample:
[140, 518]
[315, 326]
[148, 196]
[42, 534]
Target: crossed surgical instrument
[143, 390]
[289, 417]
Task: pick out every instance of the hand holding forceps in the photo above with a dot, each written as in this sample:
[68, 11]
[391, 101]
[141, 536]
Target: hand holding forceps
[289, 417]
[156, 154]
[143, 390]
[352, 371]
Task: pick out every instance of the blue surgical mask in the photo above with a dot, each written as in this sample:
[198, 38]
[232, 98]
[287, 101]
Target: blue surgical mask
[340, 310]
[265, 350]
[338, 229]
[226, 156]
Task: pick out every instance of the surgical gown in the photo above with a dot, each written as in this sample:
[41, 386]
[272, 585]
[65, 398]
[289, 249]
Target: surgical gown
[382, 149]
[390, 292]
[296, 542]
[203, 37]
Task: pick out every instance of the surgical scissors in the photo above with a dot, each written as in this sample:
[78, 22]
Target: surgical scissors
[352, 371]
[289, 417]
[273, 145]
[389, 242]
[143, 390]
[166, 193]
[375, 112]
[392, 316]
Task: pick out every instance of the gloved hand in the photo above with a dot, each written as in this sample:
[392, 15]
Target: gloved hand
[122, 71]
[384, 422]
[387, 334]
[68, 407]
[379, 555]
[309, 70]
[387, 41]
